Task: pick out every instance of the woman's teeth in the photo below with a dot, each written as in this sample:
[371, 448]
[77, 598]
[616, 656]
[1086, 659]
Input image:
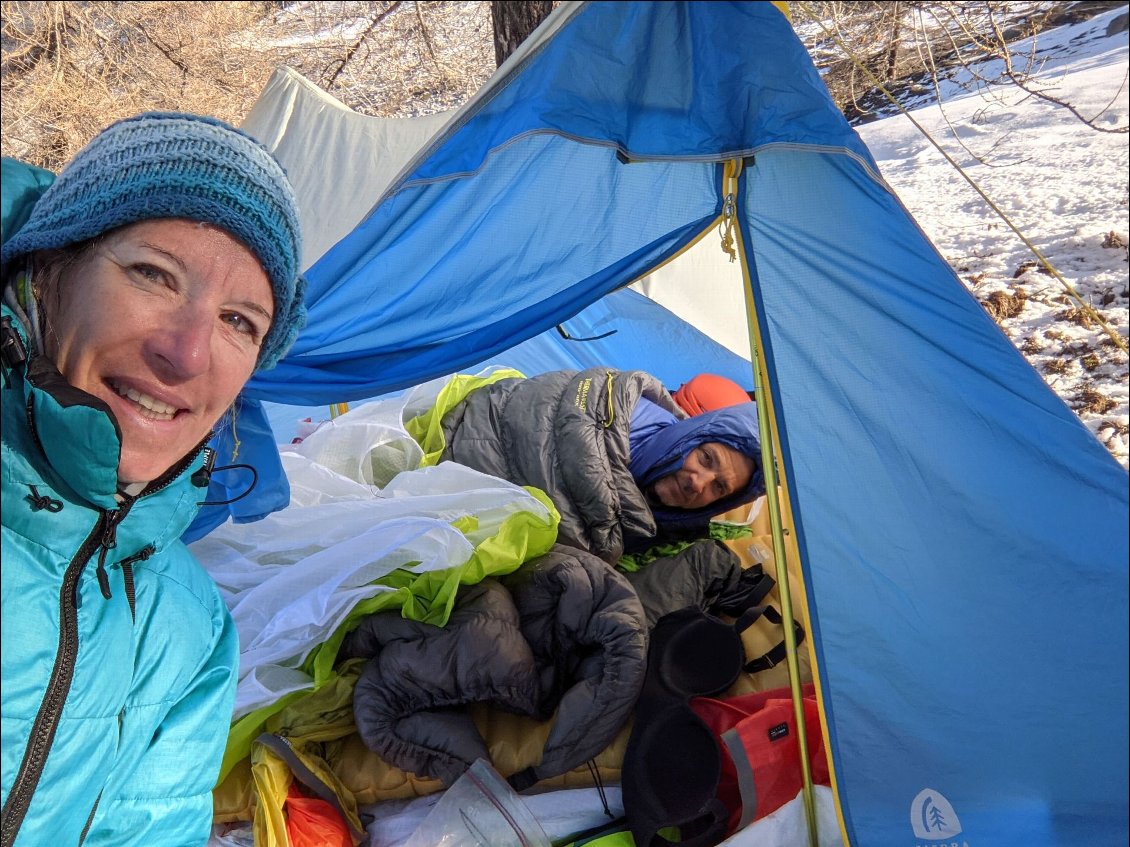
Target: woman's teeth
[151, 407]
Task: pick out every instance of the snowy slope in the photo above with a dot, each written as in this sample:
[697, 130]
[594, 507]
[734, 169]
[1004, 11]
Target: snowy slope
[1063, 185]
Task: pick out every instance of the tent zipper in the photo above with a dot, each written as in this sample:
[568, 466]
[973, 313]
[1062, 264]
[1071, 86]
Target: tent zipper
[731, 170]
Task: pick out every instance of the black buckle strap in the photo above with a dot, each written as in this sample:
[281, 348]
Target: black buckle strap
[775, 655]
[12, 349]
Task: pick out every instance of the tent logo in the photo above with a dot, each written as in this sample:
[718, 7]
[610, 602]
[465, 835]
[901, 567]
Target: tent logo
[932, 816]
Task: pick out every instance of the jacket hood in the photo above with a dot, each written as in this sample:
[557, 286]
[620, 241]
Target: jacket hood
[665, 451]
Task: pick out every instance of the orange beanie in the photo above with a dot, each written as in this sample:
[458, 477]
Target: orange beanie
[707, 392]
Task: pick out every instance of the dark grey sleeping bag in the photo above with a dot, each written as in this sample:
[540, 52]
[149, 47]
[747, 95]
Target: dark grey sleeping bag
[565, 633]
[565, 432]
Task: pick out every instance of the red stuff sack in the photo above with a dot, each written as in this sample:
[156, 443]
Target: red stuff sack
[761, 768]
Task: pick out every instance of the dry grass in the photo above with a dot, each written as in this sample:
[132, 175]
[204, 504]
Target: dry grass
[1002, 305]
[1080, 317]
[69, 69]
[1030, 265]
[1090, 399]
[1112, 241]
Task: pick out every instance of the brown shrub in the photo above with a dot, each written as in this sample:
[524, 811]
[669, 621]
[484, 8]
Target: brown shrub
[70, 69]
[1090, 399]
[1080, 317]
[1001, 305]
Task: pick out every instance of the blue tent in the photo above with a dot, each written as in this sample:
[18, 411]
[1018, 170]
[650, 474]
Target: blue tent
[962, 535]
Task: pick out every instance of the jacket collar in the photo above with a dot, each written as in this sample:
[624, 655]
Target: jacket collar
[80, 439]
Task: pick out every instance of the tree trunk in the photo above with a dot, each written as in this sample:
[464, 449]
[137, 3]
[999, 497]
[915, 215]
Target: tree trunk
[893, 40]
[514, 20]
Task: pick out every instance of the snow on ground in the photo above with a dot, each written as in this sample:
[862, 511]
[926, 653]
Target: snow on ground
[1063, 184]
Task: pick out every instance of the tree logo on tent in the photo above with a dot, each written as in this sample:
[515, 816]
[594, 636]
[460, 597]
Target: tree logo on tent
[932, 817]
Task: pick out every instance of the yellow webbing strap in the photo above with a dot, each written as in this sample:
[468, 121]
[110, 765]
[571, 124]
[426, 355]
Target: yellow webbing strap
[767, 432]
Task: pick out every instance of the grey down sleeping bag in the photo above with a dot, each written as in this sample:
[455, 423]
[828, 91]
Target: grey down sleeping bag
[565, 432]
[564, 633]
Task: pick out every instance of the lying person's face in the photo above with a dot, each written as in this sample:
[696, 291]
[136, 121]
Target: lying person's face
[710, 472]
[162, 321]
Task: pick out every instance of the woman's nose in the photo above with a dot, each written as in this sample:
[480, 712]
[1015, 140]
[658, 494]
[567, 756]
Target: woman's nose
[185, 346]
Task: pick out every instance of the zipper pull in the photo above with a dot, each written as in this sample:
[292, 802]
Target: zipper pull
[731, 170]
[103, 578]
[12, 349]
[109, 542]
[611, 408]
[127, 576]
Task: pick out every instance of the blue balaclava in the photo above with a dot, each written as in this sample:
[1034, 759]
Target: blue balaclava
[171, 165]
[664, 452]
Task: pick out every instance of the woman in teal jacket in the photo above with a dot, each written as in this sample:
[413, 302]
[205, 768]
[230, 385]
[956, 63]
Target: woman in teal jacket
[145, 286]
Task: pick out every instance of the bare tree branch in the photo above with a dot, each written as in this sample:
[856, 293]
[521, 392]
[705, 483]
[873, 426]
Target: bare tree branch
[329, 82]
[427, 38]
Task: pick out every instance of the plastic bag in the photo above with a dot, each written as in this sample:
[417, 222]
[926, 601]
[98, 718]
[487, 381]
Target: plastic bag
[479, 810]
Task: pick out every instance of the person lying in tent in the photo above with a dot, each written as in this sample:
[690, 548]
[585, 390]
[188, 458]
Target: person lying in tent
[620, 460]
[707, 392]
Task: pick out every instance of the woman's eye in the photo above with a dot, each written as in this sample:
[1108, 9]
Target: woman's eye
[149, 273]
[241, 324]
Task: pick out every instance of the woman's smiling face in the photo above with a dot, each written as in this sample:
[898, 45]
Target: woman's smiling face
[161, 320]
[710, 472]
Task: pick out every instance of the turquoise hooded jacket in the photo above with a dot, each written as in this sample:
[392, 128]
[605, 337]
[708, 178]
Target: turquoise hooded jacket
[119, 657]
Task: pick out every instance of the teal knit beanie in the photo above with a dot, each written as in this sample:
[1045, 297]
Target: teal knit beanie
[169, 165]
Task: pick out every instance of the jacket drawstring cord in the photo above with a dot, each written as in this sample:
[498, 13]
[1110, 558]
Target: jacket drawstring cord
[39, 501]
[595, 771]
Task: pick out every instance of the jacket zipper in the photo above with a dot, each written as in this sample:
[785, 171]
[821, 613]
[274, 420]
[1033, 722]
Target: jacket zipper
[46, 723]
[89, 819]
[58, 687]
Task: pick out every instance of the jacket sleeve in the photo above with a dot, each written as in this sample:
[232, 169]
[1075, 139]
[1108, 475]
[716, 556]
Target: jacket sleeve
[161, 795]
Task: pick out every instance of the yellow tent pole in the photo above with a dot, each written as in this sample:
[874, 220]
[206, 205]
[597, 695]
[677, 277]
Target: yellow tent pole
[766, 424]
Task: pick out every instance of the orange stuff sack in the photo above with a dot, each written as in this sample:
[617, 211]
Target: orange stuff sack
[311, 822]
